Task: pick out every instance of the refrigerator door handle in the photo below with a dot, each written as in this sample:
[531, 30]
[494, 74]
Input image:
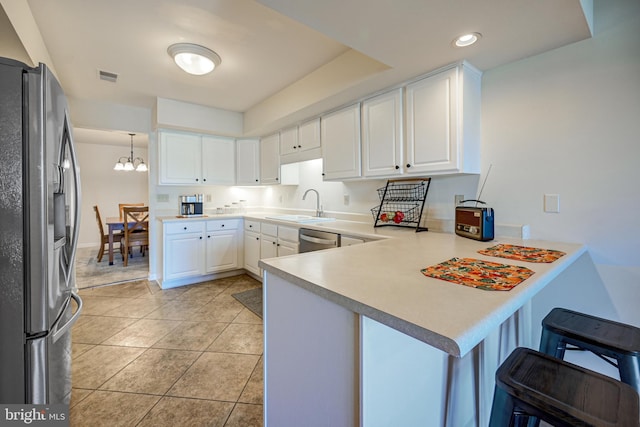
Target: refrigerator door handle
[76, 187]
[59, 331]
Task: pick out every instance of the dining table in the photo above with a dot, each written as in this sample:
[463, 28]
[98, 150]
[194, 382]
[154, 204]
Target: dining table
[114, 224]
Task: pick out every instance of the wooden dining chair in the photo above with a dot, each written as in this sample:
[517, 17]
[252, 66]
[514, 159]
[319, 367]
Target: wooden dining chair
[121, 206]
[104, 238]
[136, 231]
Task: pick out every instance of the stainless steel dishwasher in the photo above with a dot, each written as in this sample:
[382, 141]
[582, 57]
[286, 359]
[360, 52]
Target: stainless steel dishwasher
[314, 240]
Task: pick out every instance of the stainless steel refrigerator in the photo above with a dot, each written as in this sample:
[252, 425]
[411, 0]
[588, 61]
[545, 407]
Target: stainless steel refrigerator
[39, 226]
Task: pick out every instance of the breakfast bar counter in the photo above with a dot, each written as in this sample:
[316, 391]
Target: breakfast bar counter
[360, 336]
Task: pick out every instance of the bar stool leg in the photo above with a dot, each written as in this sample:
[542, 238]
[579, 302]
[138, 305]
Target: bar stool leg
[501, 409]
[629, 368]
[552, 344]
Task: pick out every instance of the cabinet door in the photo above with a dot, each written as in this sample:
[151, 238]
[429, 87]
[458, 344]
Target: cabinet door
[248, 162]
[183, 256]
[309, 135]
[432, 140]
[287, 248]
[218, 161]
[340, 132]
[289, 141]
[382, 143]
[222, 251]
[268, 247]
[252, 252]
[180, 158]
[270, 159]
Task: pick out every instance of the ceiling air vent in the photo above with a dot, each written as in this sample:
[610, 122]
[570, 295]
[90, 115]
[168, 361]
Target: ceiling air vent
[107, 76]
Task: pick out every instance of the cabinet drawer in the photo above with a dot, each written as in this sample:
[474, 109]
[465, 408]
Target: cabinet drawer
[228, 224]
[269, 229]
[184, 227]
[288, 234]
[251, 225]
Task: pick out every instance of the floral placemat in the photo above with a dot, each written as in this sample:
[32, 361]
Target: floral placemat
[489, 276]
[522, 253]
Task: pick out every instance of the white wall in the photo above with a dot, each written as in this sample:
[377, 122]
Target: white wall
[104, 187]
[567, 122]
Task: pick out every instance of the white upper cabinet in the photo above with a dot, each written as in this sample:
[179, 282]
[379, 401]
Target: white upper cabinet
[180, 158]
[193, 159]
[289, 141]
[248, 161]
[218, 160]
[300, 143]
[270, 159]
[443, 122]
[382, 142]
[340, 132]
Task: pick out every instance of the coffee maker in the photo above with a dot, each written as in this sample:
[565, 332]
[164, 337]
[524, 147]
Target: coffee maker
[191, 205]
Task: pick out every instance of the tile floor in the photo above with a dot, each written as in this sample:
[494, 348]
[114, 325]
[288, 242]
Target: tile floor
[143, 356]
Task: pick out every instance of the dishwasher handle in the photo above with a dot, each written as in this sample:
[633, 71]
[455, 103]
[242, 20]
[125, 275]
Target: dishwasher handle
[318, 240]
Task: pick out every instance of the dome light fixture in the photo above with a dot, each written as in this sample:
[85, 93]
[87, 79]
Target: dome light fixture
[466, 39]
[193, 58]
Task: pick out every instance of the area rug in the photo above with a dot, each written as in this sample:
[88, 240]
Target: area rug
[252, 299]
[90, 272]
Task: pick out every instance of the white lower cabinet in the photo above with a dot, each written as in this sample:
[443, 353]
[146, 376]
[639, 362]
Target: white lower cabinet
[252, 246]
[193, 249]
[183, 249]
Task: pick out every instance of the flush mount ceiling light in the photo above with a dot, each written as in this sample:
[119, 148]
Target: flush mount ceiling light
[466, 39]
[129, 163]
[193, 58]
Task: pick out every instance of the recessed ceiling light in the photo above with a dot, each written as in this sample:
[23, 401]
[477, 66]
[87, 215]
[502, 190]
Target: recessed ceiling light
[193, 58]
[466, 39]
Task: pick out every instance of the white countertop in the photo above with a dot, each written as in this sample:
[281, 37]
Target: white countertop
[382, 280]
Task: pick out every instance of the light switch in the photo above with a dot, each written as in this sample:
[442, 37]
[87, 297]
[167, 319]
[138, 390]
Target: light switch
[552, 203]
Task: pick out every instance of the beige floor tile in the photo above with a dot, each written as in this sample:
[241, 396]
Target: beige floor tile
[244, 415]
[223, 308]
[154, 372]
[96, 329]
[242, 283]
[127, 290]
[247, 316]
[93, 368]
[142, 333]
[175, 411]
[192, 336]
[94, 305]
[111, 409]
[177, 310]
[77, 349]
[216, 376]
[78, 395]
[239, 338]
[135, 307]
[202, 292]
[254, 390]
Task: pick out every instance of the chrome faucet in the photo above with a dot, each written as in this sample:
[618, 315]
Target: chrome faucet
[319, 212]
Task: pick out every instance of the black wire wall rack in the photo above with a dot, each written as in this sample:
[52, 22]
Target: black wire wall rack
[402, 203]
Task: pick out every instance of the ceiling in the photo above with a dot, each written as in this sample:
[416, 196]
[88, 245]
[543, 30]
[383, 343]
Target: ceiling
[270, 46]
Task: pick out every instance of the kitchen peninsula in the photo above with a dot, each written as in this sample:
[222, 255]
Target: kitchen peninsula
[359, 336]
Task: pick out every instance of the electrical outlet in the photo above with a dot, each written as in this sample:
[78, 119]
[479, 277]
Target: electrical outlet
[552, 203]
[458, 198]
[345, 199]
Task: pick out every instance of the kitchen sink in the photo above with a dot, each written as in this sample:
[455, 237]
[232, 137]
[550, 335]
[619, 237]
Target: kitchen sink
[302, 219]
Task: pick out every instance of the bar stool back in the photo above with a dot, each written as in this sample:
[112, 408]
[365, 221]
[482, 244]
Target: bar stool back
[601, 336]
[530, 383]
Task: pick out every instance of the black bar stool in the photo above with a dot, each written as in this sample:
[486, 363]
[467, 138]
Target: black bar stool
[600, 336]
[530, 383]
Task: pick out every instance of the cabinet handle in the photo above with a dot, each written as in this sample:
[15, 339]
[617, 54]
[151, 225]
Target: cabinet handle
[185, 228]
[322, 173]
[197, 179]
[277, 178]
[299, 146]
[408, 165]
[222, 225]
[204, 179]
[256, 180]
[200, 237]
[273, 243]
[397, 167]
[294, 147]
[208, 237]
[257, 238]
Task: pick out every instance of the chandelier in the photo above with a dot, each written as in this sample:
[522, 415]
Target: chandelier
[131, 163]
